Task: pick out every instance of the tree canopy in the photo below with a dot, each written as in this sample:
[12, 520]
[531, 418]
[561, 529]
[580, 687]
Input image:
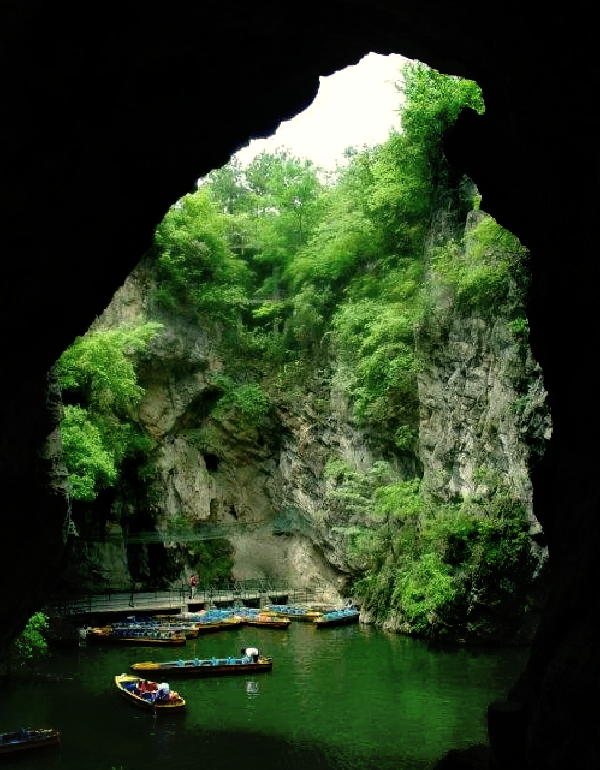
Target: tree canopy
[99, 382]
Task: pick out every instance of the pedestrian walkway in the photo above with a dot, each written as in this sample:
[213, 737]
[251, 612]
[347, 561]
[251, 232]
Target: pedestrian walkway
[177, 600]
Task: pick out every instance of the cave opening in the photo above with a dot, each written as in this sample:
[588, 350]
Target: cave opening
[211, 462]
[285, 299]
[311, 282]
[104, 133]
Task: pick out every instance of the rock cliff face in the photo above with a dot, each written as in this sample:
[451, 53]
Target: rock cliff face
[257, 489]
[484, 413]
[264, 490]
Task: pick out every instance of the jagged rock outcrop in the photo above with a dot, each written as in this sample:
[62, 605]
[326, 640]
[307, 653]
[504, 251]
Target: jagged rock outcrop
[477, 427]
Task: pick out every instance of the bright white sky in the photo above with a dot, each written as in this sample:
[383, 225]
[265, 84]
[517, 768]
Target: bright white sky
[355, 106]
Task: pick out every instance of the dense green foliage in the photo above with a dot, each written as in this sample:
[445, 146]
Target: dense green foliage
[313, 286]
[99, 382]
[479, 268]
[30, 646]
[430, 560]
[195, 268]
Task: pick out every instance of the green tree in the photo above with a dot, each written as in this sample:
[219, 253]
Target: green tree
[30, 647]
[99, 382]
[196, 271]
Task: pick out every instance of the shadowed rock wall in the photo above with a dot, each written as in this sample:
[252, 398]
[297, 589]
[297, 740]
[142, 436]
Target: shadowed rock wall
[112, 110]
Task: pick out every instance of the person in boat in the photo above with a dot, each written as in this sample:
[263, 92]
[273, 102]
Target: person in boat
[164, 692]
[251, 653]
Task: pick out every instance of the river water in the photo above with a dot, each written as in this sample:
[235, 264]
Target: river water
[348, 698]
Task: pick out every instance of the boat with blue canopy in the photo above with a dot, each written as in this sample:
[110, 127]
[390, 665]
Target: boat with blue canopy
[337, 618]
[204, 667]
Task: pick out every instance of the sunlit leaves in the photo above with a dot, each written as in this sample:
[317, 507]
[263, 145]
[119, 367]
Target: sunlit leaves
[434, 101]
[89, 461]
[100, 367]
[195, 267]
[479, 267]
[30, 647]
[98, 372]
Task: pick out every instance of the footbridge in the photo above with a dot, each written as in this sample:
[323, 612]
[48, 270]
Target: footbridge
[255, 593]
[289, 522]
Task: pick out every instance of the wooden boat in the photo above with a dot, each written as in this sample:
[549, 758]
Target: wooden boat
[161, 637]
[204, 668]
[304, 617]
[337, 618]
[207, 627]
[23, 740]
[200, 622]
[267, 621]
[149, 699]
[192, 630]
[296, 613]
[233, 622]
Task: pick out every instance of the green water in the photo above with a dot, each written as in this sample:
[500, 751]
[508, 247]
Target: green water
[348, 698]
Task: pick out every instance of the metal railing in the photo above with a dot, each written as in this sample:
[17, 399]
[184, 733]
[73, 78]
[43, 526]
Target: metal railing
[174, 599]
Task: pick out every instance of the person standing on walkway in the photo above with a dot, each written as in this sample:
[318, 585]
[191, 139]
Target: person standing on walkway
[193, 586]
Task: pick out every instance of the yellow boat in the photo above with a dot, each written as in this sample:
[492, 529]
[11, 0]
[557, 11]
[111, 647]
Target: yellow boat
[265, 620]
[234, 622]
[148, 697]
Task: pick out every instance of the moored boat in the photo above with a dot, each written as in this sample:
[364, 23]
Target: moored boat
[267, 620]
[156, 636]
[337, 618]
[204, 668]
[192, 623]
[295, 612]
[150, 696]
[208, 626]
[23, 740]
[232, 622]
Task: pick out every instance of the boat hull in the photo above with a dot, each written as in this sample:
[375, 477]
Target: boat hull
[208, 628]
[39, 739]
[282, 623]
[144, 641]
[207, 670]
[233, 623]
[306, 617]
[153, 707]
[323, 623]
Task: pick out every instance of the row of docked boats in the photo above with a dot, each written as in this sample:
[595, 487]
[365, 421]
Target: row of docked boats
[320, 618]
[174, 630]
